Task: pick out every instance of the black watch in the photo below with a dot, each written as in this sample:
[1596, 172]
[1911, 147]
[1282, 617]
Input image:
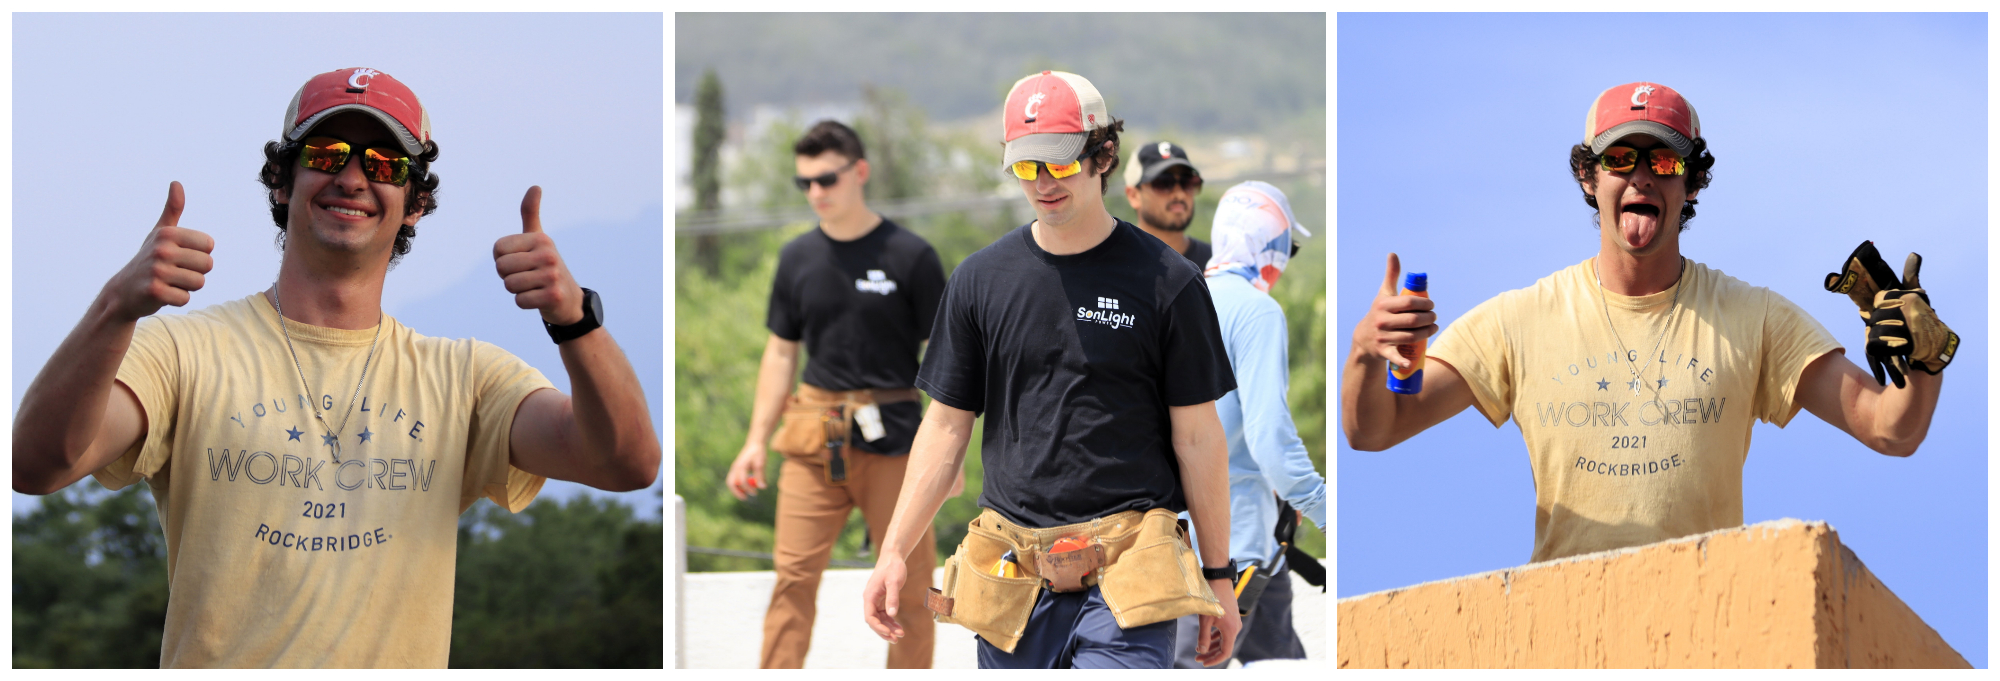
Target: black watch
[593, 317]
[1227, 572]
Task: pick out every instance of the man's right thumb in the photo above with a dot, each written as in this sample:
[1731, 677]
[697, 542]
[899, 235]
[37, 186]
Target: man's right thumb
[1389, 277]
[176, 200]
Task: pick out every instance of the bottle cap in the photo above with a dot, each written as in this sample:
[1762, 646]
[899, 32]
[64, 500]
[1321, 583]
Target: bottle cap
[1416, 281]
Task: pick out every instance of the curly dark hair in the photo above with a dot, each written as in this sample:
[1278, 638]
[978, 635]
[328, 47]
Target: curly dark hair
[1583, 166]
[1103, 157]
[830, 135]
[419, 197]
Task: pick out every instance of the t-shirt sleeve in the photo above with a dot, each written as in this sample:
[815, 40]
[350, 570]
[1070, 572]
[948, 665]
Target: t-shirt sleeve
[954, 368]
[1792, 339]
[927, 288]
[783, 317]
[152, 370]
[500, 381]
[1476, 347]
[1196, 366]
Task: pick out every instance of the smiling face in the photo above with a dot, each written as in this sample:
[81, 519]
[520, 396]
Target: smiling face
[1060, 202]
[1638, 211]
[344, 212]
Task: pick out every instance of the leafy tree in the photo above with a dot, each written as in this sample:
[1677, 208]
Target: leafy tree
[709, 130]
[90, 580]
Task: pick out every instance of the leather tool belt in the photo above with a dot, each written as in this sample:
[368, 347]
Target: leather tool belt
[1139, 560]
[816, 422]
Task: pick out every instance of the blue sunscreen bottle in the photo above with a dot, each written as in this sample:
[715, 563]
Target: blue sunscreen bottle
[1411, 381]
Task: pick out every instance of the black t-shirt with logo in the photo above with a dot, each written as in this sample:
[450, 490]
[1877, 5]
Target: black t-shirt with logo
[1074, 360]
[862, 308]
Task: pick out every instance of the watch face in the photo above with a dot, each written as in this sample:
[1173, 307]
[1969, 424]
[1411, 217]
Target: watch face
[596, 304]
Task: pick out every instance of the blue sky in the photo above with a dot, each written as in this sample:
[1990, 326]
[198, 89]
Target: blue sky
[573, 103]
[1453, 133]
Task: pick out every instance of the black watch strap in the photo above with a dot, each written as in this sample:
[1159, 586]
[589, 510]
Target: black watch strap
[1226, 572]
[593, 317]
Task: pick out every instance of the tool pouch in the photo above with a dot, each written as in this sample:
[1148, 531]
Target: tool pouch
[814, 428]
[1064, 572]
[996, 608]
[1153, 576]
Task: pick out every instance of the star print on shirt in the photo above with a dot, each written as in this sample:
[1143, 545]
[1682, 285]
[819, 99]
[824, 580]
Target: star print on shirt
[1603, 384]
[364, 435]
[328, 439]
[294, 432]
[1663, 383]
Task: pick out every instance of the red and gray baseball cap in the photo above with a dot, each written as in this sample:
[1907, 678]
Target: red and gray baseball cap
[1049, 115]
[360, 89]
[1641, 108]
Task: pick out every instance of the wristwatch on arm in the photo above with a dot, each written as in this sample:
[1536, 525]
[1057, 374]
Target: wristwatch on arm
[593, 317]
[1225, 572]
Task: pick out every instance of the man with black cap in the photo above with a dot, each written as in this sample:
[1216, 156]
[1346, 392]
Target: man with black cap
[1161, 184]
[1635, 375]
[1096, 358]
[309, 455]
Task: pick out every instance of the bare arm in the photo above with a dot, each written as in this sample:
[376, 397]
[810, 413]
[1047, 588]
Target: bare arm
[1203, 453]
[602, 435]
[937, 457]
[1889, 420]
[1372, 417]
[774, 382]
[72, 420]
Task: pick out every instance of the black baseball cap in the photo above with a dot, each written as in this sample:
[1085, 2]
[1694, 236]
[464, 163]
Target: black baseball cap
[1153, 158]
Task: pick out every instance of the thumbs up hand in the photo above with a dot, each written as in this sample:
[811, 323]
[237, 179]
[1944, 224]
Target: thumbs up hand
[534, 272]
[168, 268]
[1394, 319]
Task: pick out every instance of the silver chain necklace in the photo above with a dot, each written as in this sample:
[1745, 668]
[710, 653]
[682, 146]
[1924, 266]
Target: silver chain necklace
[1673, 307]
[332, 435]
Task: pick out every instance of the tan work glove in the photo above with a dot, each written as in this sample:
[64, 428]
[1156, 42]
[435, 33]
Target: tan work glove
[1904, 331]
[1863, 275]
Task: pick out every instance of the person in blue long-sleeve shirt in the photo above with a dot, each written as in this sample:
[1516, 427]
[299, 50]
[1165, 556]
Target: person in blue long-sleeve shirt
[1253, 240]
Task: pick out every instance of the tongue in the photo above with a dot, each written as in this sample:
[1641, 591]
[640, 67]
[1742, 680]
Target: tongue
[1637, 228]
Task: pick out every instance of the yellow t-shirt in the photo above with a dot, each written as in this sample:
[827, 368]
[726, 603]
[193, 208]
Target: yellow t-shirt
[294, 559]
[1612, 468]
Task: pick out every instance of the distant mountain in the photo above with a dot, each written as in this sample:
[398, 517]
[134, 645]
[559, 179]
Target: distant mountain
[1192, 72]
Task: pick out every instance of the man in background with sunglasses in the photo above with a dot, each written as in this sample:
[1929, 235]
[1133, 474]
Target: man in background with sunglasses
[860, 293]
[1093, 352]
[310, 456]
[1161, 184]
[1636, 375]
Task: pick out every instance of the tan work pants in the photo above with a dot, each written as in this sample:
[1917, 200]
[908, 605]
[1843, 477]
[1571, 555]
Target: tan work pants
[810, 517]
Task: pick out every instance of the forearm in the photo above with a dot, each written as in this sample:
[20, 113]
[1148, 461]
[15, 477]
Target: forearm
[1204, 464]
[614, 426]
[1367, 409]
[63, 410]
[1902, 417]
[936, 457]
[774, 383]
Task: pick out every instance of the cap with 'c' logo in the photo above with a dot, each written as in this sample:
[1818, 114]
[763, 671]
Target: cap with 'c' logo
[1641, 108]
[360, 89]
[1049, 115]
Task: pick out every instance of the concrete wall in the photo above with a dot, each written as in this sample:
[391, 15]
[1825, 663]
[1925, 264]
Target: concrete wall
[1780, 594]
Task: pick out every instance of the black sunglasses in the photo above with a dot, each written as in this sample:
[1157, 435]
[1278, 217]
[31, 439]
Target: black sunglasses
[1166, 182]
[825, 181]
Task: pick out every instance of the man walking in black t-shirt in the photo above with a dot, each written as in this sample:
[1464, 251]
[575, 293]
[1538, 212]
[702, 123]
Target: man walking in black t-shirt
[1095, 355]
[860, 293]
[1161, 184]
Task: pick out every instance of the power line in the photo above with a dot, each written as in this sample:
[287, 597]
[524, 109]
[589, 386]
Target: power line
[733, 553]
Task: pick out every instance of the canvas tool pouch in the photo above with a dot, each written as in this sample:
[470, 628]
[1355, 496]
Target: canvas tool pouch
[1140, 562]
[816, 424]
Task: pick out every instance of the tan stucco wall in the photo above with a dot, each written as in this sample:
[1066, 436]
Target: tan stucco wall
[1779, 594]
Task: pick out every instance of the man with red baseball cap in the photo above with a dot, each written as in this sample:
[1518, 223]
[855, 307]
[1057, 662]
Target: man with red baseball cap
[309, 454]
[1636, 375]
[1094, 353]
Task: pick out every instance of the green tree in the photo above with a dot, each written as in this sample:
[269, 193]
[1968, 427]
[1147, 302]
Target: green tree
[709, 130]
[90, 580]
